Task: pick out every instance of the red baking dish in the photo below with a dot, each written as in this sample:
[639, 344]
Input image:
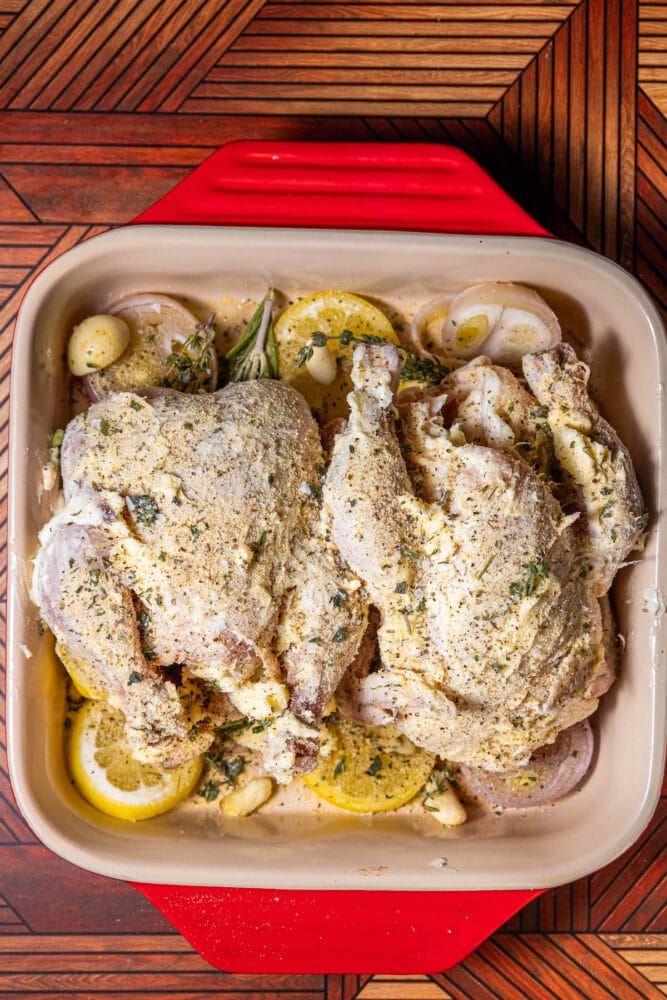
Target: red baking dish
[255, 927]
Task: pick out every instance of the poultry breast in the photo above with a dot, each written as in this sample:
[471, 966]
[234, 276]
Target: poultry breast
[192, 534]
[491, 638]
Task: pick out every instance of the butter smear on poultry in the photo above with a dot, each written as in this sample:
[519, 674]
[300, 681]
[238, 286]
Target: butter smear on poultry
[435, 560]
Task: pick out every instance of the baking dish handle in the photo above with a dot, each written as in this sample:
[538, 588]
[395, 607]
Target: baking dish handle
[356, 185]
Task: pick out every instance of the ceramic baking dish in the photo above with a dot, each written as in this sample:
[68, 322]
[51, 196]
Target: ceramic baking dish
[614, 326]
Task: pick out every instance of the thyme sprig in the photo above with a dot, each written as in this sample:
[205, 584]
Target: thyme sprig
[414, 368]
[256, 355]
[190, 368]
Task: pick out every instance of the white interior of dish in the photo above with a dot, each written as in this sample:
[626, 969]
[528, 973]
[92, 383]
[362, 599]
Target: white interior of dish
[614, 326]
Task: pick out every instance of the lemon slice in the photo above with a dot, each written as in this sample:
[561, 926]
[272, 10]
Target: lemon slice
[330, 313]
[372, 769]
[108, 776]
[82, 676]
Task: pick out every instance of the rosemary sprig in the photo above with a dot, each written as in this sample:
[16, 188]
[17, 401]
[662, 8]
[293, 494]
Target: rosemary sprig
[190, 368]
[413, 368]
[256, 356]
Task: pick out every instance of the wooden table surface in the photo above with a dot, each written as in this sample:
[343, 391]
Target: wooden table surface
[103, 107]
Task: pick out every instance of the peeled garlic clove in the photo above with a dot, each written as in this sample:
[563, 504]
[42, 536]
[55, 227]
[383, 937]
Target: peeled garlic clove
[508, 320]
[245, 800]
[321, 365]
[96, 343]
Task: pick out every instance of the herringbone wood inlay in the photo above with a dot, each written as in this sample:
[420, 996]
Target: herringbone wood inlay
[103, 108]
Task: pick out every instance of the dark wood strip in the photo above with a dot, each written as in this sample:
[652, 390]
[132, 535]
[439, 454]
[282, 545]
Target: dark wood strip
[577, 120]
[510, 975]
[69, 35]
[75, 75]
[545, 115]
[652, 144]
[612, 71]
[561, 103]
[110, 62]
[193, 66]
[627, 159]
[177, 33]
[528, 119]
[620, 973]
[608, 907]
[482, 965]
[595, 116]
[649, 113]
[526, 962]
[20, 39]
[565, 964]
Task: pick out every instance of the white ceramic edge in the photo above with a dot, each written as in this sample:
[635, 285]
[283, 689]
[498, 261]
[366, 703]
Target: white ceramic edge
[46, 830]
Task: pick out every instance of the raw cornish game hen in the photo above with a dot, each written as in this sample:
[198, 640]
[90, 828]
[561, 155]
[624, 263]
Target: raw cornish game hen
[192, 535]
[491, 636]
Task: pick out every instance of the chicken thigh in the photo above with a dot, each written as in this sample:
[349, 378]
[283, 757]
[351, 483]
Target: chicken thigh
[190, 524]
[489, 639]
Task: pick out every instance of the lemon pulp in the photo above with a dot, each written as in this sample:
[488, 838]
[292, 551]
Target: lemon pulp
[81, 675]
[330, 313]
[368, 769]
[108, 776]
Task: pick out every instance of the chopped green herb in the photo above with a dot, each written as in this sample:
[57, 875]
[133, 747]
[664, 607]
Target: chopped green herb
[149, 654]
[143, 508]
[606, 510]
[192, 734]
[188, 426]
[57, 437]
[162, 556]
[316, 640]
[134, 677]
[104, 427]
[339, 768]
[407, 553]
[375, 766]
[485, 567]
[497, 667]
[209, 791]
[338, 598]
[136, 405]
[340, 635]
[401, 588]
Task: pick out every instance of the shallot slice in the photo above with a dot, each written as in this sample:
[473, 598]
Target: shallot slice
[425, 333]
[553, 771]
[508, 320]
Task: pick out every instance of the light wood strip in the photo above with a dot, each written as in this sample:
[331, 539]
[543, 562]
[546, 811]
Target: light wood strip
[365, 60]
[469, 80]
[503, 47]
[117, 155]
[656, 92]
[404, 28]
[648, 57]
[401, 991]
[653, 74]
[320, 105]
[636, 945]
[75, 944]
[459, 12]
[366, 94]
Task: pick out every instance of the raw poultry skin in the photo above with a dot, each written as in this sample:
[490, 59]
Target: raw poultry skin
[192, 534]
[491, 638]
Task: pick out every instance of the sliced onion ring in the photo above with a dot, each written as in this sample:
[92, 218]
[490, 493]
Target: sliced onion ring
[553, 771]
[507, 320]
[418, 334]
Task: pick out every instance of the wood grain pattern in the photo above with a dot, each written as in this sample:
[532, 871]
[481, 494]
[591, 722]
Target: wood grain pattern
[103, 107]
